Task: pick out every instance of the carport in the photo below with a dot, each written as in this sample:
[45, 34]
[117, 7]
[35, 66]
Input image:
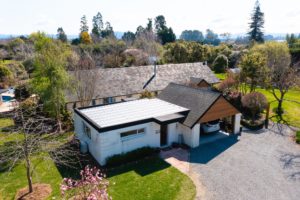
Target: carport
[205, 105]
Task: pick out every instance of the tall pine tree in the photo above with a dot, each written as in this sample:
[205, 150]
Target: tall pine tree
[257, 24]
[97, 24]
[83, 24]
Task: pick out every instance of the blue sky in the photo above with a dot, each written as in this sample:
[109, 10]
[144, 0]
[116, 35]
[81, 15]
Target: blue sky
[26, 16]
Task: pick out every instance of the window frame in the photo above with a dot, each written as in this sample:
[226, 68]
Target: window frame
[87, 130]
[136, 133]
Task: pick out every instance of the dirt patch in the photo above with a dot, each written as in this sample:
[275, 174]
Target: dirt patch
[40, 191]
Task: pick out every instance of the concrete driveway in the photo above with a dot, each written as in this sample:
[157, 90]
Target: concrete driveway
[261, 165]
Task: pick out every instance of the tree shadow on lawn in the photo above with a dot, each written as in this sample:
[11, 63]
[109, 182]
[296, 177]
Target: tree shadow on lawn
[142, 167]
[206, 152]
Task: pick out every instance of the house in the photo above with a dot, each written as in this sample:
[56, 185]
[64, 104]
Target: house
[175, 116]
[115, 84]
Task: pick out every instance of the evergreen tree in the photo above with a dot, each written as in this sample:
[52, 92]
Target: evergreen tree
[83, 24]
[61, 35]
[97, 24]
[164, 34]
[257, 24]
[128, 37]
[108, 31]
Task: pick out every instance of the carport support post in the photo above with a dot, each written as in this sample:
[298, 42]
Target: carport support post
[237, 123]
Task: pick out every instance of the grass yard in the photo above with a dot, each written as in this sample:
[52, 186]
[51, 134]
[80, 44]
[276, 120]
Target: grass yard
[221, 76]
[291, 108]
[147, 179]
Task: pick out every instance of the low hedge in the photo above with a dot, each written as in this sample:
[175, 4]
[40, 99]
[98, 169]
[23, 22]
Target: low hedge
[134, 155]
[254, 127]
[298, 137]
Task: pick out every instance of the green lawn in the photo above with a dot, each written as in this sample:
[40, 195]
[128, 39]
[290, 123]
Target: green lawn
[291, 109]
[221, 76]
[147, 179]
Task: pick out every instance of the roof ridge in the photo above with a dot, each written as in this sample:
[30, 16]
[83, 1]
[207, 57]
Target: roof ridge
[196, 89]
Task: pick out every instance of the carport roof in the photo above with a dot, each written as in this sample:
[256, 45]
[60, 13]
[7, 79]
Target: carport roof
[195, 99]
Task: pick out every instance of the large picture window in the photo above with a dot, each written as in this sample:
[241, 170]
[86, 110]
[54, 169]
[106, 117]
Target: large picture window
[87, 130]
[132, 133]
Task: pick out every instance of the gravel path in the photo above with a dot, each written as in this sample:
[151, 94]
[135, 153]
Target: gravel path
[254, 166]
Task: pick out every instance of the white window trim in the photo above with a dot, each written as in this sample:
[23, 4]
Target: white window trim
[137, 135]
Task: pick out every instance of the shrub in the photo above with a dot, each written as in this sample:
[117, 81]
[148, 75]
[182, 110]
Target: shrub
[254, 103]
[92, 185]
[298, 137]
[22, 92]
[220, 64]
[134, 155]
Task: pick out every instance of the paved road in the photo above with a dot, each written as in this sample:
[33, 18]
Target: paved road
[261, 166]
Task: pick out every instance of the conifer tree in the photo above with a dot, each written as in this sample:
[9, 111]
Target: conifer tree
[257, 24]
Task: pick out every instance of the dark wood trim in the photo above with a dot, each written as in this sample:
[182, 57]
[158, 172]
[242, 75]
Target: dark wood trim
[206, 110]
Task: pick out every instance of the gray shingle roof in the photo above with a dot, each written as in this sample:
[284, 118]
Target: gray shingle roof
[130, 80]
[197, 100]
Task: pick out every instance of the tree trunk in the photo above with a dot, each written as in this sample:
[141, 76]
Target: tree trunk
[28, 174]
[279, 108]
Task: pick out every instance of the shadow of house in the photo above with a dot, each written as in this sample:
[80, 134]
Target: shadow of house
[143, 167]
[206, 152]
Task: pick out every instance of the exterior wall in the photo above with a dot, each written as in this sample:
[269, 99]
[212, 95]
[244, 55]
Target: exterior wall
[237, 123]
[106, 144]
[191, 137]
[173, 135]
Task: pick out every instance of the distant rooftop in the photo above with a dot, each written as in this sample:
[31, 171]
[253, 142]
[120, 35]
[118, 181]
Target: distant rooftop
[131, 111]
[130, 80]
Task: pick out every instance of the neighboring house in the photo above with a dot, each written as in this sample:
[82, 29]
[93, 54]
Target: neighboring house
[115, 84]
[175, 115]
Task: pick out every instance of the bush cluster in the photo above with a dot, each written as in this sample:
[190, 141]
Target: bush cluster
[134, 155]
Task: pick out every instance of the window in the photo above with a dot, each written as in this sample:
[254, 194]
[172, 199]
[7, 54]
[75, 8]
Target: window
[109, 100]
[132, 133]
[87, 130]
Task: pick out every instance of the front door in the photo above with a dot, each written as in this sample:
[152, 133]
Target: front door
[163, 135]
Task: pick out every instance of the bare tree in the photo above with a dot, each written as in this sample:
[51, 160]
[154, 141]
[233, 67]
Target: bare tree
[34, 143]
[85, 77]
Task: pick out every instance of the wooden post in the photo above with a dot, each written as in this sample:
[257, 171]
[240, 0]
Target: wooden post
[267, 116]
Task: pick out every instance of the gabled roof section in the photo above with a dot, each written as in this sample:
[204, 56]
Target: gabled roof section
[130, 80]
[197, 100]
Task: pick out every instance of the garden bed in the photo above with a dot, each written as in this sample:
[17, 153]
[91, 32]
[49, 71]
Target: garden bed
[258, 125]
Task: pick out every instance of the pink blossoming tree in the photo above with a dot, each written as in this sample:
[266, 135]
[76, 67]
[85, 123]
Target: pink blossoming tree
[92, 186]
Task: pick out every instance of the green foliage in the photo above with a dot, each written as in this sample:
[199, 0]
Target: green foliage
[182, 52]
[211, 38]
[61, 35]
[83, 24]
[128, 37]
[22, 92]
[146, 94]
[254, 103]
[50, 79]
[220, 64]
[164, 34]
[254, 67]
[4, 73]
[134, 155]
[298, 137]
[108, 32]
[192, 35]
[257, 24]
[97, 25]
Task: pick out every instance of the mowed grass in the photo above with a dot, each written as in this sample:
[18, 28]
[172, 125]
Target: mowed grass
[147, 179]
[150, 179]
[290, 106]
